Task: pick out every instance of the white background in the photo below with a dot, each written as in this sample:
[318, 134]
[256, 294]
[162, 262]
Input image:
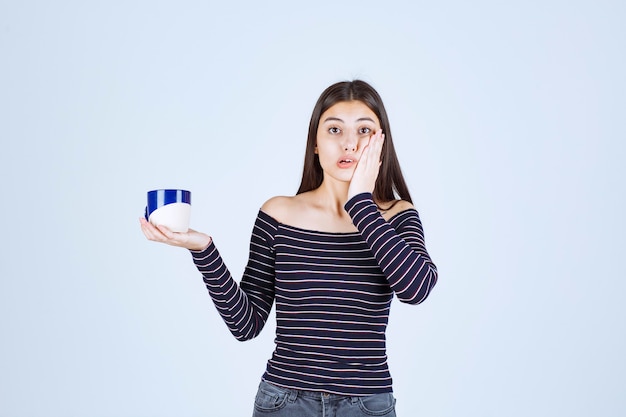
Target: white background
[508, 118]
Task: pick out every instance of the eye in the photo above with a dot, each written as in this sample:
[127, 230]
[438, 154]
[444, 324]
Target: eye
[334, 130]
[365, 130]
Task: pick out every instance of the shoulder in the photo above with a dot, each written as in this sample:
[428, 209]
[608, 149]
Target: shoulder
[392, 208]
[297, 210]
[280, 207]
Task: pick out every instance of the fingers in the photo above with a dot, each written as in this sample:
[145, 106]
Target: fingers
[372, 152]
[370, 157]
[165, 231]
[191, 240]
[155, 233]
[147, 229]
[379, 140]
[368, 167]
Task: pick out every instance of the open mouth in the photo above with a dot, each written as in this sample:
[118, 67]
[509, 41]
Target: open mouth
[346, 162]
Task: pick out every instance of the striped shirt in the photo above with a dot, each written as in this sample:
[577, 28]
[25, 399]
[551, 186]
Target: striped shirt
[333, 292]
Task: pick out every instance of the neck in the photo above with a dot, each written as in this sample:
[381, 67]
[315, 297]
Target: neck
[332, 195]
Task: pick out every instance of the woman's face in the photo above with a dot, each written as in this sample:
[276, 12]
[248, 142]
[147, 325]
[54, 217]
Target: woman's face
[343, 131]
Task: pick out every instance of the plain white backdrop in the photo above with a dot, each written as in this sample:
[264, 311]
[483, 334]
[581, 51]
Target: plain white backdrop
[509, 122]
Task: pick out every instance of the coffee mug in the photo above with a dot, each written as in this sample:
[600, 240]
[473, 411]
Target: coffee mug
[170, 208]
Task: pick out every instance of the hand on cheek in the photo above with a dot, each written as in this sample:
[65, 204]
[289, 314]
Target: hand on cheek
[366, 171]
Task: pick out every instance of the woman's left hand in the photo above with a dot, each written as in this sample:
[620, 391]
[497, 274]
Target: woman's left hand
[366, 171]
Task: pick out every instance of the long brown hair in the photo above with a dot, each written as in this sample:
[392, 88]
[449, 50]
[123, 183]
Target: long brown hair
[390, 183]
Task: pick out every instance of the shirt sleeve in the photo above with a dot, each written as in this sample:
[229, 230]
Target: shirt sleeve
[400, 252]
[244, 307]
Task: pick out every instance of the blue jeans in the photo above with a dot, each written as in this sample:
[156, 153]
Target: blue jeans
[273, 401]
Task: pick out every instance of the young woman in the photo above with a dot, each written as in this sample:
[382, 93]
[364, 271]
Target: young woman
[331, 257]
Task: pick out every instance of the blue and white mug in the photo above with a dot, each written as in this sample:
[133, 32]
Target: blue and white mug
[170, 208]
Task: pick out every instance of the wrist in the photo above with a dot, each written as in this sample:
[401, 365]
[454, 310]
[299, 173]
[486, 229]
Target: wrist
[200, 245]
[355, 198]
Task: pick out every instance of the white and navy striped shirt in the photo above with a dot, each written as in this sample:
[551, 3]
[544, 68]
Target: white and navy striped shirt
[333, 292]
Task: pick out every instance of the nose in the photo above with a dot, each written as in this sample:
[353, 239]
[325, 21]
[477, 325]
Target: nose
[349, 143]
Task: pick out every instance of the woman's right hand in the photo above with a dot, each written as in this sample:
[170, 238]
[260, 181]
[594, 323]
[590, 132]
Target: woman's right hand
[191, 240]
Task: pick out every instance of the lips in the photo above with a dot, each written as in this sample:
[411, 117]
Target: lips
[346, 162]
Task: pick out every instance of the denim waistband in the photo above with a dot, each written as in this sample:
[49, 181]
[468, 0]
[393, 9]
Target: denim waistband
[292, 393]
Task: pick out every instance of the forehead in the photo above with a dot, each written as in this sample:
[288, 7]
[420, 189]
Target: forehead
[349, 111]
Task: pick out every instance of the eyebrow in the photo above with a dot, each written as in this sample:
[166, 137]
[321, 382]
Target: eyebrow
[337, 119]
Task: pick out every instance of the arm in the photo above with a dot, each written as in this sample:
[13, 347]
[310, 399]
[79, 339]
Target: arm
[400, 253]
[243, 307]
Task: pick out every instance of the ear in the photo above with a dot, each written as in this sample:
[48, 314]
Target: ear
[315, 150]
